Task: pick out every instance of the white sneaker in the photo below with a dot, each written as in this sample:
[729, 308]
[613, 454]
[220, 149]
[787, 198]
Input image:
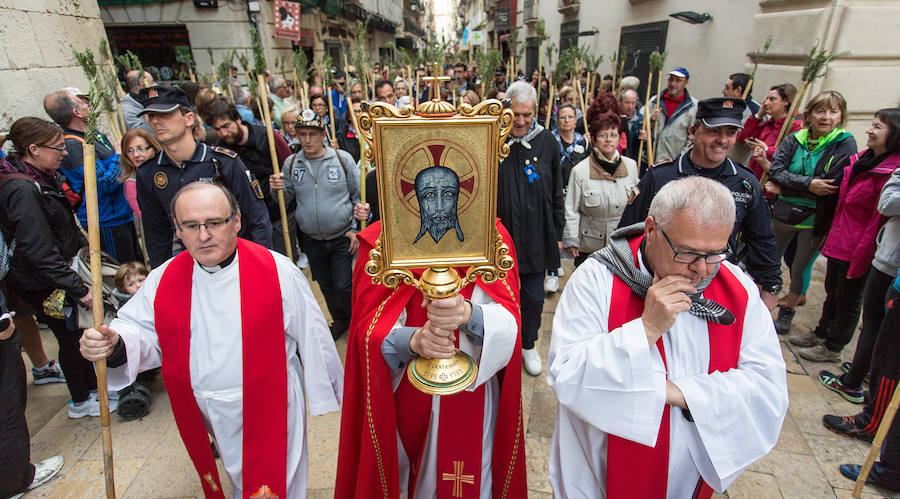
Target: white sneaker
[551, 284]
[91, 406]
[532, 361]
[560, 272]
[45, 470]
[303, 261]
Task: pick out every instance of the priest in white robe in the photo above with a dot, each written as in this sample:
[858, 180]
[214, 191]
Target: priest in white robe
[225, 320]
[664, 359]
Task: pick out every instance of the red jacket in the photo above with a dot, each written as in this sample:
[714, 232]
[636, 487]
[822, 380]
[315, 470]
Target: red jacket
[766, 131]
[856, 220]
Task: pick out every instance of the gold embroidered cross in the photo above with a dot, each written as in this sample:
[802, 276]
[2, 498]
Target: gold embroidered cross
[211, 481]
[435, 82]
[458, 478]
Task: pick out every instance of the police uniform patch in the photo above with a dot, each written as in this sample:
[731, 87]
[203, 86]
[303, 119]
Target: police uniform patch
[256, 188]
[635, 192]
[160, 180]
[228, 152]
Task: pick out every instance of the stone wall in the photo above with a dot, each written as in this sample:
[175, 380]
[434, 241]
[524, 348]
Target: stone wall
[36, 42]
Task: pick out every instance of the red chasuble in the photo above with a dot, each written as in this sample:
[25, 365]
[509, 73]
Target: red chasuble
[265, 370]
[636, 470]
[373, 413]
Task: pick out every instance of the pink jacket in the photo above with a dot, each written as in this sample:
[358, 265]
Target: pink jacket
[856, 220]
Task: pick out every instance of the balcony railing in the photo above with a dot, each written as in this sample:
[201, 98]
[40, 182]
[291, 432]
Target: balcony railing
[569, 5]
[530, 11]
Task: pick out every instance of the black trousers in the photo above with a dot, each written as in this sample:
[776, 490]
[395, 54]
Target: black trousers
[121, 243]
[873, 307]
[16, 470]
[840, 312]
[582, 256]
[883, 377]
[331, 265]
[278, 237]
[80, 376]
[531, 288]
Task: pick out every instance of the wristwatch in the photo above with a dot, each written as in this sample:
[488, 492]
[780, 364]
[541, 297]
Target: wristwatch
[775, 289]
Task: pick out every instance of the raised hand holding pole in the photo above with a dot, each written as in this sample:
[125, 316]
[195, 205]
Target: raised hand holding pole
[276, 168]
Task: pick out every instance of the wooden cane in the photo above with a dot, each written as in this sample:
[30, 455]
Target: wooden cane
[875, 449]
[93, 223]
[267, 121]
[583, 99]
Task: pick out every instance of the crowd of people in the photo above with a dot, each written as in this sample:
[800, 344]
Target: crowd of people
[188, 206]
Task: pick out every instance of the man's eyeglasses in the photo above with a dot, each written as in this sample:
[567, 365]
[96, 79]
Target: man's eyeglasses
[689, 257]
[60, 149]
[211, 225]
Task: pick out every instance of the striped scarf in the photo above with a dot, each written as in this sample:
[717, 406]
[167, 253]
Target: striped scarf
[618, 257]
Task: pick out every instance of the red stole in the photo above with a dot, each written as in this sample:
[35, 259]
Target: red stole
[636, 470]
[373, 413]
[265, 370]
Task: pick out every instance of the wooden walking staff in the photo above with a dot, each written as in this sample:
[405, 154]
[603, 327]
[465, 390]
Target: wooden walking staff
[657, 61]
[578, 94]
[646, 124]
[93, 223]
[875, 449]
[276, 168]
[363, 162]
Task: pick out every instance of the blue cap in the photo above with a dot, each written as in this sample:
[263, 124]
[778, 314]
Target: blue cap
[681, 72]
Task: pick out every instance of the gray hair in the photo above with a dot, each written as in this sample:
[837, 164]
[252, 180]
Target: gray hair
[702, 201]
[60, 107]
[626, 90]
[521, 92]
[241, 94]
[275, 83]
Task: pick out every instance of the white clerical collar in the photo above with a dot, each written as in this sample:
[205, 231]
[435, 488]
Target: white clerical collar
[215, 268]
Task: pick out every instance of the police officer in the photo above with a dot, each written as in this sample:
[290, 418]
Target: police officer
[184, 160]
[714, 134]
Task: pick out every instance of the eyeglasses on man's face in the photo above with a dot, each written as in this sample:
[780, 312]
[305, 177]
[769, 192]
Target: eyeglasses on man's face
[211, 225]
[689, 257]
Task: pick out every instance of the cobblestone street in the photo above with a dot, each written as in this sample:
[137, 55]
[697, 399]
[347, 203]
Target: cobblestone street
[150, 460]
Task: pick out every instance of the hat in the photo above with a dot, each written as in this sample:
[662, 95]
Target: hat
[162, 99]
[309, 119]
[500, 70]
[680, 72]
[721, 111]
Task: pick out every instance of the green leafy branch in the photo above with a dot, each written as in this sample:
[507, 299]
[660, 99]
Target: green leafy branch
[817, 63]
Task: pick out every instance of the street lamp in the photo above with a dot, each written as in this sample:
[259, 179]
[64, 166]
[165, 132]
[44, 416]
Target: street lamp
[692, 17]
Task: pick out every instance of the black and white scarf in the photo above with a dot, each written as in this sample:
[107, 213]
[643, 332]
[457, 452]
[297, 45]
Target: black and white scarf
[618, 257]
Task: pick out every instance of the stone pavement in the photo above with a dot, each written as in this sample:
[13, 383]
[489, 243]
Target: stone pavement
[150, 460]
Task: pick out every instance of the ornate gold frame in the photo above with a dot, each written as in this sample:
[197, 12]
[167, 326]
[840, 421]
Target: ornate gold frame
[389, 268]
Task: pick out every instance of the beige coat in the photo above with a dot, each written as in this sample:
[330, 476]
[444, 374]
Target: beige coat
[595, 201]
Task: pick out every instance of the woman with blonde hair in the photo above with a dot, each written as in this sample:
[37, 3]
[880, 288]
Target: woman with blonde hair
[471, 98]
[802, 175]
[138, 146]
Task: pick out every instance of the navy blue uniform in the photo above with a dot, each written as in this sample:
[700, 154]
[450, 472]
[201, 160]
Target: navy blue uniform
[752, 224]
[159, 178]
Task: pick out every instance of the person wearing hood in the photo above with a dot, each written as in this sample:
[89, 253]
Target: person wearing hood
[36, 213]
[530, 205]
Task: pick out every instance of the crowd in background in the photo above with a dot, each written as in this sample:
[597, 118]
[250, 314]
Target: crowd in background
[578, 164]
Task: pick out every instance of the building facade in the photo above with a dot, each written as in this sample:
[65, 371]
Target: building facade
[722, 45]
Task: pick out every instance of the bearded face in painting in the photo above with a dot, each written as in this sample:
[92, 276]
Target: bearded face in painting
[437, 190]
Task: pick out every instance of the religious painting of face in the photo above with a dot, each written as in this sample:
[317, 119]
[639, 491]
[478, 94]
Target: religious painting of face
[437, 189]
